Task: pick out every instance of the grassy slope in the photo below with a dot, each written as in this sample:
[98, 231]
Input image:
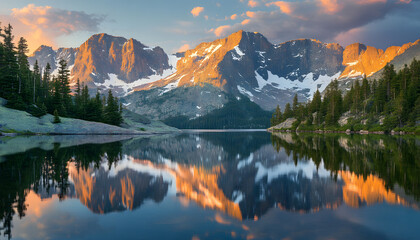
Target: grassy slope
[15, 121]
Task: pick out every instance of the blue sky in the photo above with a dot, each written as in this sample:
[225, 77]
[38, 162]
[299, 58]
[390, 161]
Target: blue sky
[173, 24]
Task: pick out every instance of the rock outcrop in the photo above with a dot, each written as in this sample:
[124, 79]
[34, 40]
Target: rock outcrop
[107, 61]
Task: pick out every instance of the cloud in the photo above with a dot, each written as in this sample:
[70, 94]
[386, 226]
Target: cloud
[196, 11]
[221, 30]
[245, 22]
[323, 19]
[250, 14]
[234, 16]
[184, 48]
[285, 7]
[44, 24]
[253, 4]
[331, 6]
[364, 2]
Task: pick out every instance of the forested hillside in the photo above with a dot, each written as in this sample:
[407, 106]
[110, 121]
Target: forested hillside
[38, 91]
[390, 103]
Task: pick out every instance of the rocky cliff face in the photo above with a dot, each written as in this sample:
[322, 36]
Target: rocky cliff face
[248, 64]
[45, 54]
[242, 64]
[106, 61]
[360, 60]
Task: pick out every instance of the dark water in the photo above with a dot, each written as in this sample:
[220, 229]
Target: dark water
[210, 185]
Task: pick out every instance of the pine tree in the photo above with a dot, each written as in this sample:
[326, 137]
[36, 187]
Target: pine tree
[388, 77]
[56, 100]
[295, 105]
[98, 106]
[26, 85]
[277, 116]
[56, 117]
[11, 79]
[78, 100]
[3, 80]
[348, 100]
[365, 93]
[316, 102]
[112, 113]
[356, 97]
[64, 88]
[334, 107]
[46, 82]
[36, 83]
[287, 112]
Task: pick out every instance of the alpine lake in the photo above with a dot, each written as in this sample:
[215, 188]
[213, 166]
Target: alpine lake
[210, 185]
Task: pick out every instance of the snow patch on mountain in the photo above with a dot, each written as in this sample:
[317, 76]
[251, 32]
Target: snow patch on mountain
[239, 53]
[171, 86]
[129, 162]
[352, 74]
[113, 81]
[307, 169]
[246, 161]
[309, 82]
[244, 91]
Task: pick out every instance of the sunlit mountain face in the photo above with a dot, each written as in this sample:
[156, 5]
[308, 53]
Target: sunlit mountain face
[242, 177]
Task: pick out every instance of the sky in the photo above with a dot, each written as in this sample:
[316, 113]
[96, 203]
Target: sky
[179, 25]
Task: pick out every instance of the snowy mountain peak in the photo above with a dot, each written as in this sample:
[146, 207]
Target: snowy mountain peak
[106, 61]
[248, 64]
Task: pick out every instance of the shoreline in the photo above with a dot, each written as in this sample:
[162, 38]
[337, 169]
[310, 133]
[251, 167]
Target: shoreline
[4, 134]
[361, 132]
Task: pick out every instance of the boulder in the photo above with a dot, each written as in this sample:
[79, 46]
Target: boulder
[284, 125]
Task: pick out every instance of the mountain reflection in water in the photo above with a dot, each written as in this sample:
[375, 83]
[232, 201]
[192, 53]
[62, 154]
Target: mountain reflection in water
[243, 175]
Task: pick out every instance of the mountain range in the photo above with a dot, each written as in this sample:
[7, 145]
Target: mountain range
[201, 80]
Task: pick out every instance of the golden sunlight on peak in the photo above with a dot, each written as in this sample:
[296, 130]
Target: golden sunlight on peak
[358, 190]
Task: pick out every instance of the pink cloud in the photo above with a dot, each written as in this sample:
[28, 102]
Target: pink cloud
[250, 14]
[234, 16]
[245, 22]
[44, 24]
[253, 4]
[285, 7]
[184, 48]
[370, 1]
[221, 30]
[196, 11]
[331, 6]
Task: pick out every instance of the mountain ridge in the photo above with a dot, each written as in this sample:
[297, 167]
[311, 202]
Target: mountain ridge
[242, 64]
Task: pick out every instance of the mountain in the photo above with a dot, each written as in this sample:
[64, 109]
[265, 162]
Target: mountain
[361, 60]
[402, 59]
[201, 80]
[247, 63]
[105, 61]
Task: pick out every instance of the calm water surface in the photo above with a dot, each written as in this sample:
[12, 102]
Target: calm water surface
[210, 185]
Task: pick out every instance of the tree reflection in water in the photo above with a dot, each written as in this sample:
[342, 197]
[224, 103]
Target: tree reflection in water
[243, 175]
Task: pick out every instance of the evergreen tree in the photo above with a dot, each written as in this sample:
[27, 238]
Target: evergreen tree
[98, 107]
[316, 102]
[78, 100]
[112, 113]
[10, 71]
[46, 83]
[295, 105]
[64, 86]
[277, 116]
[287, 112]
[36, 83]
[335, 104]
[356, 97]
[388, 76]
[56, 117]
[2, 68]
